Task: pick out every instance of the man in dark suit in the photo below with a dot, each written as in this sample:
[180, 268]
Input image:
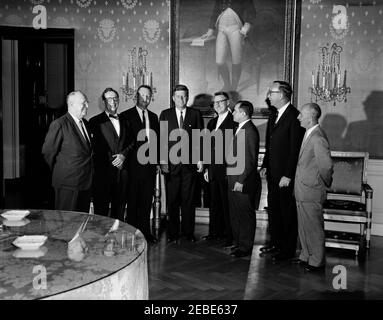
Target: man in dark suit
[142, 173]
[68, 151]
[215, 173]
[242, 179]
[111, 146]
[181, 172]
[313, 175]
[283, 140]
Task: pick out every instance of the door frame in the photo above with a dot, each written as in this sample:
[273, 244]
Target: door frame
[50, 35]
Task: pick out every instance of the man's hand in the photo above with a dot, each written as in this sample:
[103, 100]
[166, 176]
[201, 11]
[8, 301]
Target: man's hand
[262, 172]
[206, 176]
[208, 34]
[238, 187]
[284, 182]
[118, 161]
[199, 166]
[164, 168]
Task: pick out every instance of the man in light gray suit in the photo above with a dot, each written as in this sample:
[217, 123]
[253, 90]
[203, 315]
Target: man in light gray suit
[313, 174]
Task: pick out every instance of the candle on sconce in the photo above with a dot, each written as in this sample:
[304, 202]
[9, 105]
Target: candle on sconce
[312, 79]
[338, 79]
[123, 80]
[134, 83]
[323, 82]
[344, 79]
[147, 79]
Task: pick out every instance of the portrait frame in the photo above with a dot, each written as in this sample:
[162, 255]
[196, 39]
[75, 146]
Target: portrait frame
[290, 12]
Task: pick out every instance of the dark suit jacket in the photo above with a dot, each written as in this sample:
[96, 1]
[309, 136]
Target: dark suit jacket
[135, 124]
[193, 120]
[106, 143]
[283, 141]
[218, 171]
[249, 175]
[68, 154]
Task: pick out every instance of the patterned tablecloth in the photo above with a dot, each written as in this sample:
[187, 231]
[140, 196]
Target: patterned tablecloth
[53, 275]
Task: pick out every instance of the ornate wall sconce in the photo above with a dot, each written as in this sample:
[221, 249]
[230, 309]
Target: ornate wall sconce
[326, 83]
[137, 74]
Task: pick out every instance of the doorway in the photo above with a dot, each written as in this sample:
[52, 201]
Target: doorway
[37, 73]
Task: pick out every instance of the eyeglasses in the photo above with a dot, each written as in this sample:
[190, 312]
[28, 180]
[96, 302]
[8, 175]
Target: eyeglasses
[113, 99]
[272, 91]
[216, 103]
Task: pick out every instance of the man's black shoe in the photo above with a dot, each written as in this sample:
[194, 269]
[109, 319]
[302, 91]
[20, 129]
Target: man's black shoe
[269, 249]
[191, 238]
[309, 268]
[210, 237]
[171, 239]
[299, 262]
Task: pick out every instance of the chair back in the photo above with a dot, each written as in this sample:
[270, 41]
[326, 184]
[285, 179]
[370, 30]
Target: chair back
[350, 172]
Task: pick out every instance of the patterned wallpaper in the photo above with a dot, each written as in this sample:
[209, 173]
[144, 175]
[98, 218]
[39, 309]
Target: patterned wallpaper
[355, 125]
[105, 31]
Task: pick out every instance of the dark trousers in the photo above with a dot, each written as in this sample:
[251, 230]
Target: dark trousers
[72, 200]
[113, 190]
[243, 219]
[180, 189]
[282, 214]
[219, 220]
[140, 199]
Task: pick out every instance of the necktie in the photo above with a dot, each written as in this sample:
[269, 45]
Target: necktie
[181, 120]
[143, 118]
[114, 116]
[84, 133]
[276, 116]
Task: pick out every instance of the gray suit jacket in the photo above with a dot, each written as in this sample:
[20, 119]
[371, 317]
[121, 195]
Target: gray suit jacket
[314, 169]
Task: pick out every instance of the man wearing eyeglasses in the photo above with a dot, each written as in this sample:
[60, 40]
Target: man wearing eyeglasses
[215, 173]
[283, 140]
[111, 145]
[68, 151]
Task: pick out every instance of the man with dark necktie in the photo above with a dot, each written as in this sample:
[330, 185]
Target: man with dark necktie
[215, 173]
[111, 145]
[283, 140]
[181, 176]
[142, 174]
[68, 151]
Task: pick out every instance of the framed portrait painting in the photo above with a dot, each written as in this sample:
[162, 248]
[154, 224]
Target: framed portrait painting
[237, 46]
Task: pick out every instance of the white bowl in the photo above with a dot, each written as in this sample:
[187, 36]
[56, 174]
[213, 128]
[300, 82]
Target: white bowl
[16, 223]
[20, 253]
[15, 215]
[30, 242]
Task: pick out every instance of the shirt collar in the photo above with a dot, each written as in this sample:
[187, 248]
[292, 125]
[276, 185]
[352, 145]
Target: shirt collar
[140, 110]
[242, 124]
[223, 116]
[77, 120]
[283, 109]
[108, 113]
[179, 111]
[308, 131]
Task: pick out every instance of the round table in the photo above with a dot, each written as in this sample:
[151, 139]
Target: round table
[50, 273]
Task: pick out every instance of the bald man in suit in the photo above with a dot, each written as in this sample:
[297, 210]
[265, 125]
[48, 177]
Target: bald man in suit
[313, 175]
[68, 151]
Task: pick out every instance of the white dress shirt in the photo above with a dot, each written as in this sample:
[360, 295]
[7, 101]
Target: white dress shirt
[241, 125]
[281, 111]
[147, 124]
[178, 113]
[79, 126]
[115, 122]
[308, 132]
[221, 118]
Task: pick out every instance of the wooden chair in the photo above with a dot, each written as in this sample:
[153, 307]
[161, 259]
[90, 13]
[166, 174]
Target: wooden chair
[349, 201]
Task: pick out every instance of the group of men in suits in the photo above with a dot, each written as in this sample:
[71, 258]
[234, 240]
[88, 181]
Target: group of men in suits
[297, 175]
[102, 159]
